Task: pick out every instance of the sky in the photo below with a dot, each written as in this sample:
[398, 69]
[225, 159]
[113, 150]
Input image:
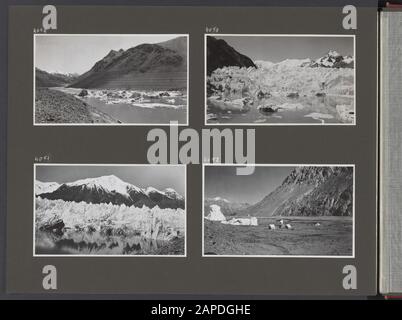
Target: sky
[78, 53]
[222, 181]
[158, 176]
[279, 48]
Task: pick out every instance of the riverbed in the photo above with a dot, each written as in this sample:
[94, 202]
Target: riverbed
[148, 107]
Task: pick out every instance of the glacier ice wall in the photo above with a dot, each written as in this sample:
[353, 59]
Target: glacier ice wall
[62, 217]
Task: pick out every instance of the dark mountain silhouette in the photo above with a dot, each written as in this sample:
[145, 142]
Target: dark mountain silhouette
[220, 54]
[310, 191]
[146, 66]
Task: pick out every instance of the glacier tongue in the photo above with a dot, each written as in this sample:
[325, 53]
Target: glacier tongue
[109, 219]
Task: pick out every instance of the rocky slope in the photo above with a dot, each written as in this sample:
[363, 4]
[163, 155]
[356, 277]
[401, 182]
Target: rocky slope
[54, 106]
[146, 66]
[310, 191]
[110, 189]
[220, 54]
[178, 44]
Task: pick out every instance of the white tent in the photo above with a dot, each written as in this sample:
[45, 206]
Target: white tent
[215, 213]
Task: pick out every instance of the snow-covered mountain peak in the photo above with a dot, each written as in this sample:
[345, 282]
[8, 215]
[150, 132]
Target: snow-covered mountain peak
[172, 193]
[333, 59]
[169, 192]
[333, 53]
[44, 187]
[111, 189]
[220, 199]
[109, 183]
[149, 190]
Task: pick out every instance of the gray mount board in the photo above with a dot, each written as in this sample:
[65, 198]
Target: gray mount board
[193, 274]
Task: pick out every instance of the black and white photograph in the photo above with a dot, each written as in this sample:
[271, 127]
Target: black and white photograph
[110, 210]
[279, 211]
[280, 79]
[110, 79]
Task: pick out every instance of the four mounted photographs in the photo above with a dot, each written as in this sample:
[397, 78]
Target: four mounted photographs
[140, 210]
[279, 211]
[109, 210]
[280, 79]
[110, 79]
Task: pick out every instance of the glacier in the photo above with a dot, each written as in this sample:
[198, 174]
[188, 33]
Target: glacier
[105, 228]
[281, 79]
[174, 99]
[292, 88]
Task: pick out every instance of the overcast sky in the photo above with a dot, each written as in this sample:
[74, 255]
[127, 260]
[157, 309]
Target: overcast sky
[279, 48]
[158, 176]
[222, 181]
[78, 53]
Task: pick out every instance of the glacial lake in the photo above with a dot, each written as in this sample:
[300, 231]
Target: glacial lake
[127, 113]
[131, 113]
[324, 106]
[82, 243]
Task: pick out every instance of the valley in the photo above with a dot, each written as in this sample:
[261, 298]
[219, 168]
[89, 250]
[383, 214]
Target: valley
[145, 84]
[310, 213]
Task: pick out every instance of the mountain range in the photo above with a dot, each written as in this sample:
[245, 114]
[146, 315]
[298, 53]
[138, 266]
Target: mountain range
[306, 191]
[330, 60]
[145, 66]
[333, 60]
[227, 207]
[47, 79]
[220, 54]
[109, 189]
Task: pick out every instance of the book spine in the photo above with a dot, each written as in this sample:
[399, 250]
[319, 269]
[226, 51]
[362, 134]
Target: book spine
[383, 253]
[390, 280]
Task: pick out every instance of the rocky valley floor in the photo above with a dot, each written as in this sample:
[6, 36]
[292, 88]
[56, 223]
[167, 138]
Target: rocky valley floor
[333, 237]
